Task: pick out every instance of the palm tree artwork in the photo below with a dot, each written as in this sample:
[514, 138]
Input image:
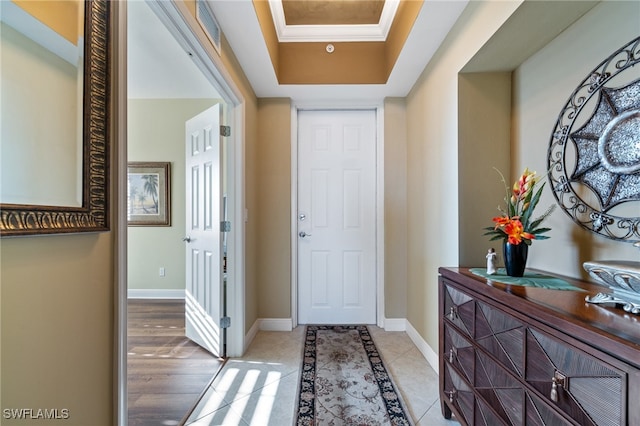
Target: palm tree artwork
[151, 188]
[143, 194]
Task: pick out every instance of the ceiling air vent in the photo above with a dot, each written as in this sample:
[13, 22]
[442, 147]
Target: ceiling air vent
[208, 22]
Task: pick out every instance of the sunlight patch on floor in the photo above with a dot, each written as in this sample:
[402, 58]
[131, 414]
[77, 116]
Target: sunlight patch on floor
[245, 389]
[264, 407]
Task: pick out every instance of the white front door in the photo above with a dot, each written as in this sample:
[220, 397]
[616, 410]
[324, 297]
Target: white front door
[337, 217]
[203, 236]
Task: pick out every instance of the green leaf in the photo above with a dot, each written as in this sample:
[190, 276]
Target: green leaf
[540, 231]
[533, 202]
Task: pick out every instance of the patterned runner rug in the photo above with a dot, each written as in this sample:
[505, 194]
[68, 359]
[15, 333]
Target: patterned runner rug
[344, 382]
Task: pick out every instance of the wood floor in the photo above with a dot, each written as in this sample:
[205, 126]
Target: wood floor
[167, 372]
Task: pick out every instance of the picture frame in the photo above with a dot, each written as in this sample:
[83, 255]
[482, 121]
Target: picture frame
[149, 194]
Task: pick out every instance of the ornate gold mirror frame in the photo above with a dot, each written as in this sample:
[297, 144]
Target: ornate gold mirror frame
[92, 215]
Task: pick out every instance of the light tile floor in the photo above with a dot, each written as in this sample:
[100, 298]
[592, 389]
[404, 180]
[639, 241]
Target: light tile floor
[261, 387]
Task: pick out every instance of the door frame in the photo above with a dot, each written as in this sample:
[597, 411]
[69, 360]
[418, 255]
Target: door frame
[378, 107]
[179, 21]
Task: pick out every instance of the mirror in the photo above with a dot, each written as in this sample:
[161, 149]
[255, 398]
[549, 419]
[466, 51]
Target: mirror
[54, 172]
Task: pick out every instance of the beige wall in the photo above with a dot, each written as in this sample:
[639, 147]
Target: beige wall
[57, 326]
[273, 212]
[252, 192]
[484, 134]
[395, 208]
[156, 132]
[251, 163]
[432, 165]
[542, 86]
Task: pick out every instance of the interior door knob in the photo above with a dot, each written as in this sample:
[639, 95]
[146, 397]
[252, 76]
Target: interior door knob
[303, 234]
[187, 239]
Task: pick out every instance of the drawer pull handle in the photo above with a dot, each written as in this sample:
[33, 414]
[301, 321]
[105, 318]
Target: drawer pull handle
[452, 395]
[453, 313]
[554, 390]
[558, 379]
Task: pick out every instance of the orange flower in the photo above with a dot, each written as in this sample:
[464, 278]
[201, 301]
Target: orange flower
[501, 221]
[515, 231]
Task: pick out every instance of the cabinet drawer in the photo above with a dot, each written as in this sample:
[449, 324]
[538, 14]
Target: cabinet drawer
[459, 308]
[588, 390]
[458, 394]
[502, 336]
[459, 352]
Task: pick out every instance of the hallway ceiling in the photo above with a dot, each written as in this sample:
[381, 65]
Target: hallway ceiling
[158, 67]
[244, 24]
[358, 29]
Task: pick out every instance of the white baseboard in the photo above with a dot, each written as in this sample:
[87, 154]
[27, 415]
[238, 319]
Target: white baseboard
[429, 354]
[144, 293]
[251, 334]
[275, 324]
[395, 324]
[266, 324]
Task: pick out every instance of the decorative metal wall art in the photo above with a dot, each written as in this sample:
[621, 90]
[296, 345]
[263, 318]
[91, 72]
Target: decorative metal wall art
[605, 151]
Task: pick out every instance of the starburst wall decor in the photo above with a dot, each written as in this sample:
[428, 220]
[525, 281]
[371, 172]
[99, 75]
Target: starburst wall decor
[603, 151]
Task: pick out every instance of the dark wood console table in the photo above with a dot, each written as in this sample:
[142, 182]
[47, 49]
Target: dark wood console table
[517, 355]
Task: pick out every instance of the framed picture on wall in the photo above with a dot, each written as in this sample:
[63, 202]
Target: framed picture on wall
[148, 194]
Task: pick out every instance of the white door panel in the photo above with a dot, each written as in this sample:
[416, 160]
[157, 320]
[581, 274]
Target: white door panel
[336, 196]
[203, 241]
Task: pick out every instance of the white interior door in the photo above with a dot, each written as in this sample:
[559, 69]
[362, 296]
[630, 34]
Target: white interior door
[337, 217]
[204, 302]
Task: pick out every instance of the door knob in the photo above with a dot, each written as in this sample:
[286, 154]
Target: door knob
[303, 234]
[187, 239]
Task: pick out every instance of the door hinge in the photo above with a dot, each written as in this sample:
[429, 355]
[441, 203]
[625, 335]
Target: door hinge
[225, 130]
[225, 322]
[225, 226]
